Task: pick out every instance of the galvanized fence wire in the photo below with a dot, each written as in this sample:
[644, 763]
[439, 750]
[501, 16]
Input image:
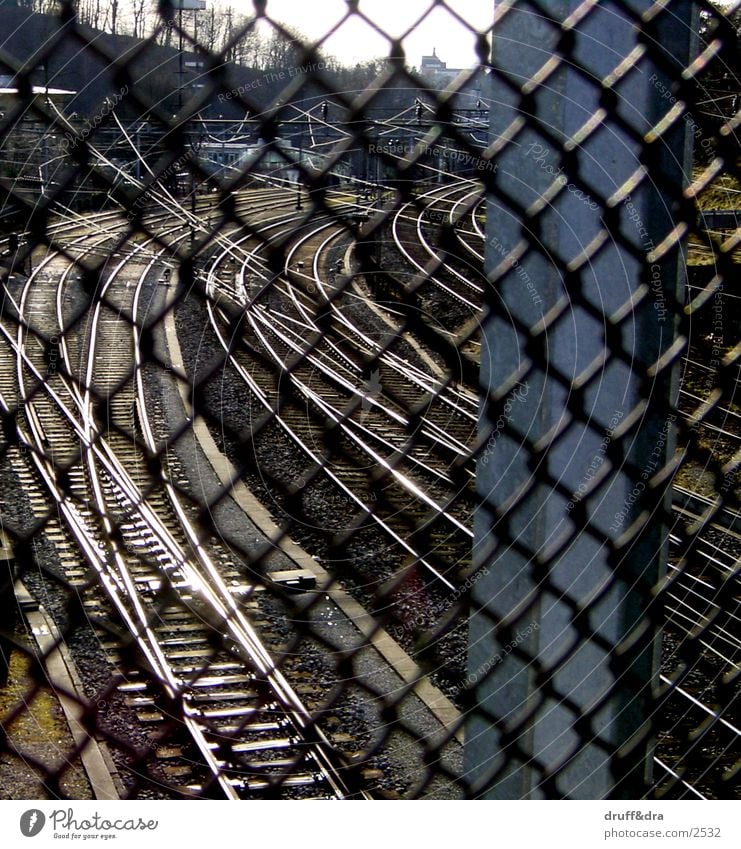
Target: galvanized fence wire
[459, 352]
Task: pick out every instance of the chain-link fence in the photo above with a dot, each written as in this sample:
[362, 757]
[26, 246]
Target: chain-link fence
[369, 429]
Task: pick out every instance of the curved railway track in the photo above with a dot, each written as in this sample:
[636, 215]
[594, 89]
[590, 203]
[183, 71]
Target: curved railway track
[696, 599]
[326, 371]
[315, 357]
[702, 595]
[251, 729]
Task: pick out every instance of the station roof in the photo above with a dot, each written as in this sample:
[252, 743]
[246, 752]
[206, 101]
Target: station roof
[9, 88]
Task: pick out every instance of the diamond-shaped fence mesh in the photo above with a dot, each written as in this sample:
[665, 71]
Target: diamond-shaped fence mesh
[369, 430]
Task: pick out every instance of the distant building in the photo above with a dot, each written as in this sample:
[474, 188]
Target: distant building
[29, 146]
[436, 71]
[439, 75]
[274, 162]
[9, 92]
[432, 64]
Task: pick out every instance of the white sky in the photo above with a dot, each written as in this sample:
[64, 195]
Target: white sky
[355, 40]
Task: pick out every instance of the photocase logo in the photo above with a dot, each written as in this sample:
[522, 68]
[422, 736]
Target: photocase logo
[32, 822]
[372, 390]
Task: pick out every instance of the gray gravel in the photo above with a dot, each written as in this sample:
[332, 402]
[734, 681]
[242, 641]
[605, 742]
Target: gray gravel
[398, 769]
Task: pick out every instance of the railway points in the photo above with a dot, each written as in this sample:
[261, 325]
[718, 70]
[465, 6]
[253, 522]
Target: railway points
[277, 312]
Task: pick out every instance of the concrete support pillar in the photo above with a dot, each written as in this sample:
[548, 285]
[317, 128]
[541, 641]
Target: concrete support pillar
[563, 649]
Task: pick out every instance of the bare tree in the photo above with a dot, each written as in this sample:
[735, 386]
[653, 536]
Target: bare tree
[211, 27]
[45, 7]
[114, 15]
[138, 16]
[280, 52]
[248, 45]
[220, 27]
[94, 14]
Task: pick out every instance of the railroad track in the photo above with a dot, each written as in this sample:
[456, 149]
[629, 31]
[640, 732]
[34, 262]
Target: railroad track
[252, 731]
[446, 267]
[300, 324]
[327, 372]
[701, 596]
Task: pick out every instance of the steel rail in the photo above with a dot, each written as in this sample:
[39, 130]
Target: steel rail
[222, 601]
[339, 415]
[311, 455]
[400, 214]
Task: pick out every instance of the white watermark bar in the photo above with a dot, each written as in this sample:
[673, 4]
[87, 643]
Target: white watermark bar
[191, 825]
[570, 476]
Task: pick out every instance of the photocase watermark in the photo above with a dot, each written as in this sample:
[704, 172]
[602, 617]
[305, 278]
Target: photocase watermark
[65, 825]
[667, 95]
[460, 157]
[648, 245]
[64, 820]
[716, 352]
[371, 391]
[328, 499]
[420, 619]
[344, 502]
[541, 154]
[597, 462]
[273, 77]
[474, 678]
[520, 269]
[434, 216]
[71, 140]
[32, 822]
[147, 192]
[519, 394]
[53, 355]
[730, 481]
[650, 467]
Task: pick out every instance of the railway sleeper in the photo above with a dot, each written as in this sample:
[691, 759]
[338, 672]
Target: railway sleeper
[229, 696]
[210, 717]
[149, 542]
[210, 680]
[150, 716]
[134, 687]
[177, 628]
[139, 701]
[258, 745]
[177, 770]
[175, 618]
[306, 779]
[205, 638]
[244, 711]
[190, 652]
[169, 752]
[220, 665]
[220, 726]
[276, 765]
